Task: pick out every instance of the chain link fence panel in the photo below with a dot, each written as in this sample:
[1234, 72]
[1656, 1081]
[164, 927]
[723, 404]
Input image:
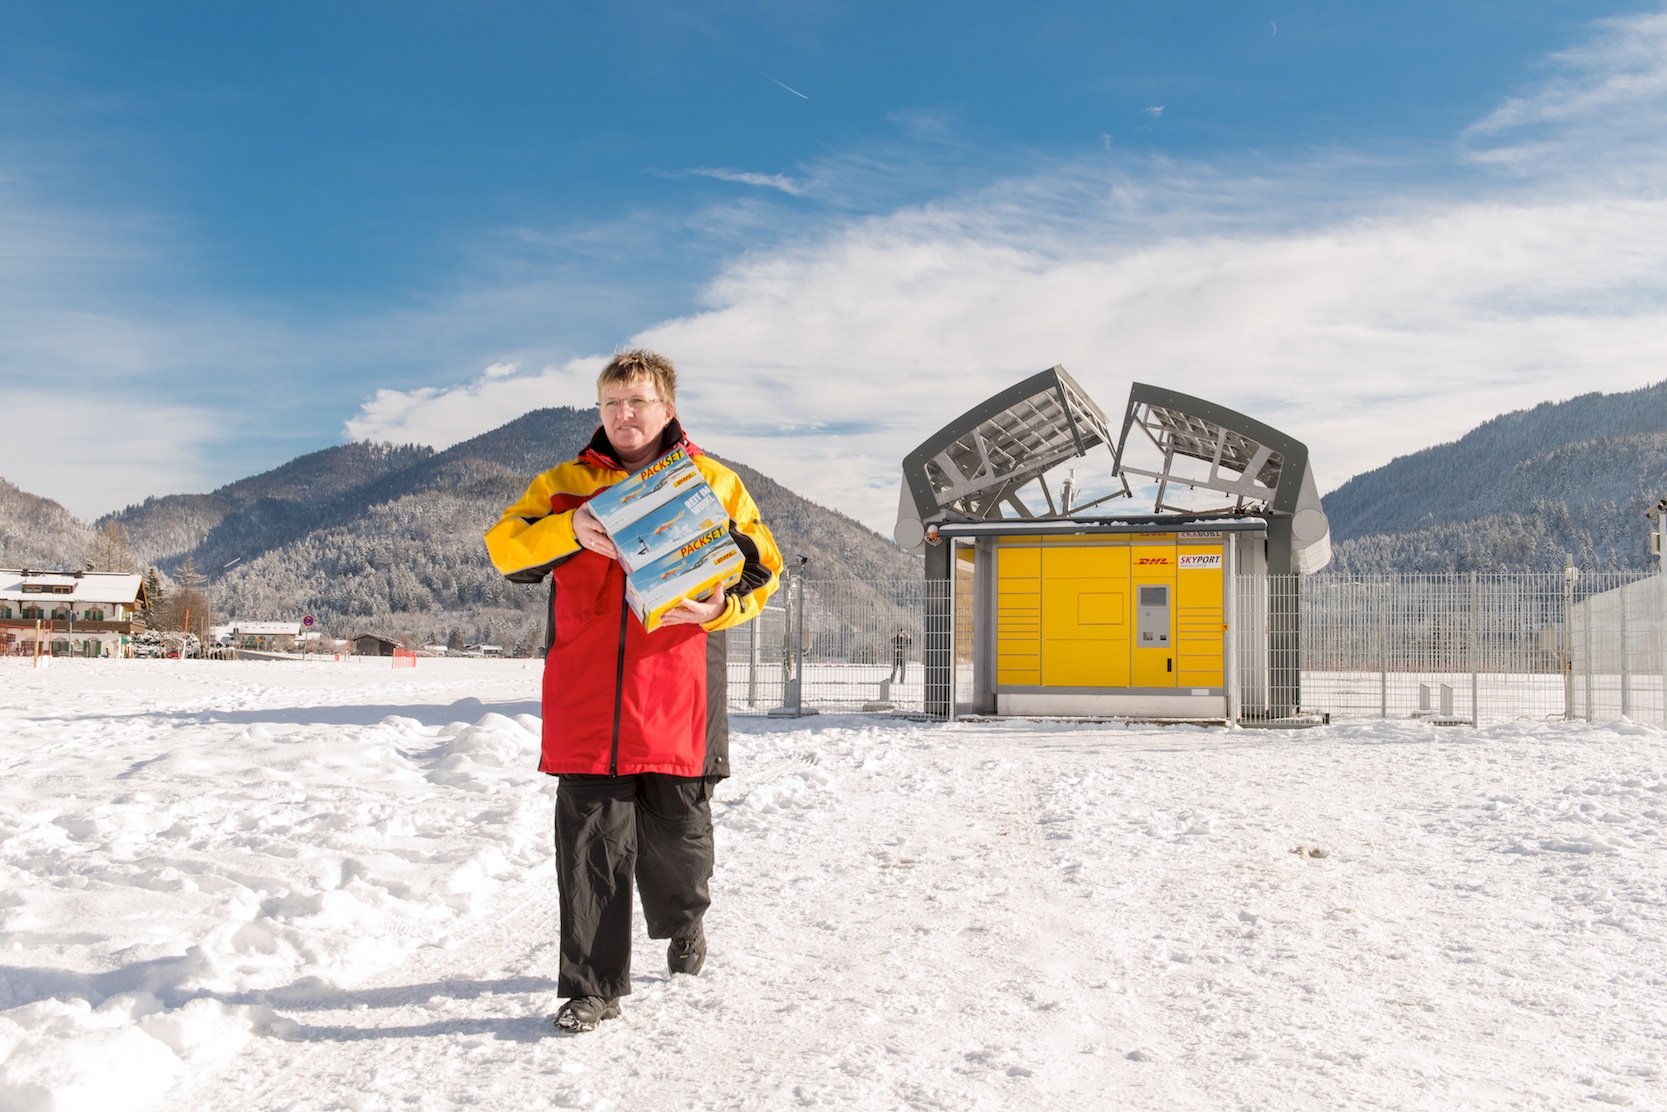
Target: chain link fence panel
[1467, 648]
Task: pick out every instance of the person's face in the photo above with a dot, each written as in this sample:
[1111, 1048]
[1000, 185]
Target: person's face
[633, 416]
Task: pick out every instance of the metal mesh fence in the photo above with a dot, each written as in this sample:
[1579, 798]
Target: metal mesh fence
[834, 645]
[1477, 648]
[1449, 648]
[1617, 649]
[1454, 648]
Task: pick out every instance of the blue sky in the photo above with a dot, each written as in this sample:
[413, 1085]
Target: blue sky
[242, 232]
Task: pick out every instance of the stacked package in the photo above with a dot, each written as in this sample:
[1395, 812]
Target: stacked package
[672, 533]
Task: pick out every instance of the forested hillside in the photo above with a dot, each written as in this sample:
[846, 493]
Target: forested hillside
[37, 532]
[1528, 490]
[266, 511]
[381, 539]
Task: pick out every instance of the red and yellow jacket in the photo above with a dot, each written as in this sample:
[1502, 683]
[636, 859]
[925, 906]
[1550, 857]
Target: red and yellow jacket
[617, 699]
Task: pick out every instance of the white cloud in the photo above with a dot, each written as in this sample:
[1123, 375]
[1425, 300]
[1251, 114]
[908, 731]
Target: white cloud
[779, 182]
[922, 123]
[443, 416]
[1623, 65]
[59, 269]
[1598, 113]
[158, 450]
[1366, 339]
[99, 314]
[107, 367]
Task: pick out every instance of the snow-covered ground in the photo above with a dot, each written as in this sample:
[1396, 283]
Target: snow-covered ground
[266, 885]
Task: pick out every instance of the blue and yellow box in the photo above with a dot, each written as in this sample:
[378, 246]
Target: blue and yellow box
[672, 533]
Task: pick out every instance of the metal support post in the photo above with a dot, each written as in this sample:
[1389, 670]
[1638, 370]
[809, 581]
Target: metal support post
[753, 660]
[1661, 637]
[1383, 654]
[1475, 651]
[1570, 576]
[1626, 655]
[798, 643]
[1586, 651]
[1230, 634]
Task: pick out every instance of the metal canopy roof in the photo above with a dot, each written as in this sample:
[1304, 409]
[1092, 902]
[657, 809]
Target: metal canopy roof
[1262, 469]
[1247, 463]
[974, 468]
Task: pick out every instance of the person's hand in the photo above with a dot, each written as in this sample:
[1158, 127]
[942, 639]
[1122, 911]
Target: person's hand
[696, 611]
[590, 534]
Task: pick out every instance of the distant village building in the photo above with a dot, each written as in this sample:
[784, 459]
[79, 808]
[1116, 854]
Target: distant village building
[275, 637]
[369, 644]
[77, 613]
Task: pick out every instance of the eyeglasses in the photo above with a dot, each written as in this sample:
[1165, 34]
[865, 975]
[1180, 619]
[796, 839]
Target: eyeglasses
[611, 406]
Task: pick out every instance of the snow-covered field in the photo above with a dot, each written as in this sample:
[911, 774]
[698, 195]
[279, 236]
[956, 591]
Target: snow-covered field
[265, 885]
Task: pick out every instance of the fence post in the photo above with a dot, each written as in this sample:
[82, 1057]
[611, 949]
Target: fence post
[798, 691]
[1661, 638]
[1384, 597]
[789, 662]
[1475, 650]
[1586, 649]
[1230, 635]
[753, 660]
[1567, 641]
[1626, 655]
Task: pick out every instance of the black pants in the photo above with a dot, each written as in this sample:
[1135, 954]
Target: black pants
[608, 829]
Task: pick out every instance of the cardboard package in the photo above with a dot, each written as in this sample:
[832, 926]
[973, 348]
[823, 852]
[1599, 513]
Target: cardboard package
[672, 533]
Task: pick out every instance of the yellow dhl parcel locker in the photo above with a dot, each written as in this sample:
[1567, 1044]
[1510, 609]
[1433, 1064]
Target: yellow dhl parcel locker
[1132, 623]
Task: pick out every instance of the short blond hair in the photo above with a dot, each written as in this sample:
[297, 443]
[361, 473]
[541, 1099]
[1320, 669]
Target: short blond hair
[629, 366]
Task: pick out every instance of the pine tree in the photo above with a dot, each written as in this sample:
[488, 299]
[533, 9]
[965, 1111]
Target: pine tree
[154, 597]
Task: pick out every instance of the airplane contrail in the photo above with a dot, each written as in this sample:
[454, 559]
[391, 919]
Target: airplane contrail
[783, 84]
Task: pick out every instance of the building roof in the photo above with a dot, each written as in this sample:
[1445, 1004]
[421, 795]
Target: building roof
[23, 585]
[267, 629]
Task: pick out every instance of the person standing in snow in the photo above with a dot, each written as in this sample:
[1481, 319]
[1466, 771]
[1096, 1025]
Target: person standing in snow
[900, 643]
[636, 725]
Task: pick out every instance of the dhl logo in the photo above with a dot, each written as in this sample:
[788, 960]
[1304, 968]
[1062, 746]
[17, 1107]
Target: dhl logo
[701, 541]
[1147, 560]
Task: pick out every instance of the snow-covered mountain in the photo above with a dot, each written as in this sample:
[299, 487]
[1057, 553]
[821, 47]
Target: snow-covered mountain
[1524, 491]
[387, 539]
[37, 532]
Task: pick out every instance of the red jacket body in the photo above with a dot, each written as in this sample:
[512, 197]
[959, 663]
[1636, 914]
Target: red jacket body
[618, 699]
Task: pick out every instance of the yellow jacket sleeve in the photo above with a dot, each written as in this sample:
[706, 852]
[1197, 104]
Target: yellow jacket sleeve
[762, 573]
[536, 532]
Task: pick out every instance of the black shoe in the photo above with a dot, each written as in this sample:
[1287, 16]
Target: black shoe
[583, 1013]
[687, 952]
